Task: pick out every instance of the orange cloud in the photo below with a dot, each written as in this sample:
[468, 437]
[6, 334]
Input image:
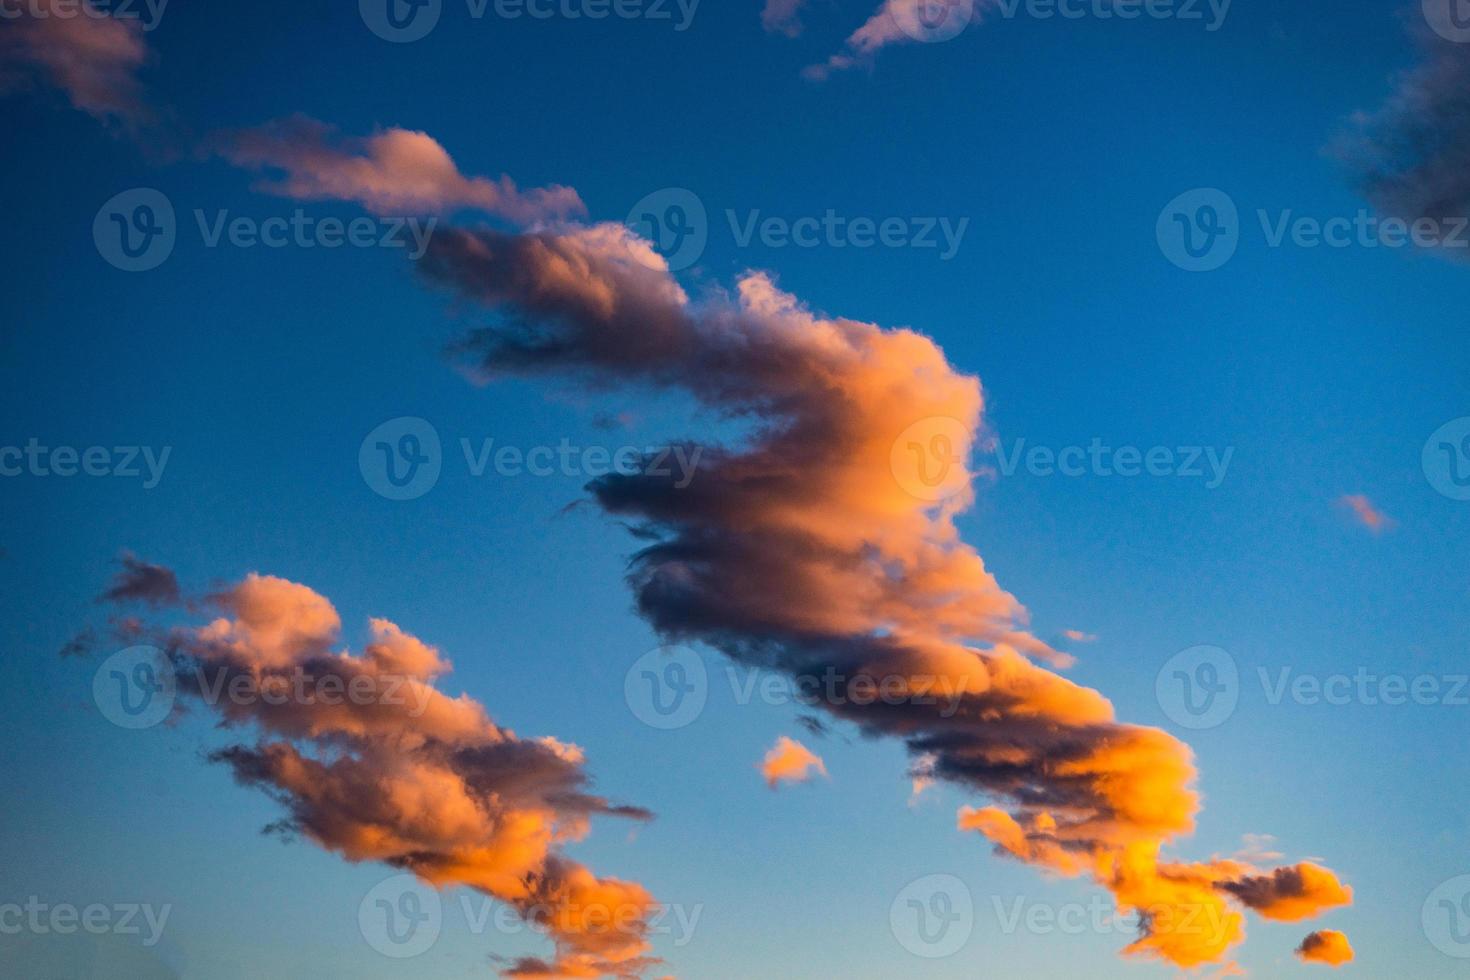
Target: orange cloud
[393, 171]
[825, 545]
[372, 761]
[789, 761]
[1326, 946]
[1077, 636]
[1365, 512]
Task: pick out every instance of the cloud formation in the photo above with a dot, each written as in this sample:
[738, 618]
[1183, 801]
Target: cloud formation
[1326, 946]
[789, 761]
[371, 761]
[782, 17]
[899, 22]
[393, 171]
[1365, 512]
[825, 546]
[140, 581]
[93, 57]
[1411, 156]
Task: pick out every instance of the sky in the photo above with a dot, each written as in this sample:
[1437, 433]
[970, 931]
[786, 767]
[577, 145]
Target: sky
[594, 383]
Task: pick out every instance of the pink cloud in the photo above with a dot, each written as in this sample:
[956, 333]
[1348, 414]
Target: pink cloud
[1364, 511]
[393, 171]
[92, 57]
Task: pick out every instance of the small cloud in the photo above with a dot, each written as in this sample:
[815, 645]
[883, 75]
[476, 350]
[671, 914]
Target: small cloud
[141, 581]
[1077, 636]
[1366, 513]
[1326, 946]
[789, 761]
[782, 17]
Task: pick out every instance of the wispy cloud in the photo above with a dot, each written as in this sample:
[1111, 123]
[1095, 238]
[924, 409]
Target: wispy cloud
[1365, 512]
[393, 171]
[93, 57]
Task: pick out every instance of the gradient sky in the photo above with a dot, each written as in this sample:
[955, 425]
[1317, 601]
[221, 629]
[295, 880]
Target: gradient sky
[1324, 369]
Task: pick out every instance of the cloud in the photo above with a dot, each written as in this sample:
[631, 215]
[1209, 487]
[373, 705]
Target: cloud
[1411, 156]
[789, 761]
[139, 581]
[1291, 894]
[782, 17]
[1326, 946]
[393, 171]
[370, 760]
[824, 545]
[899, 22]
[1077, 636]
[93, 57]
[1366, 514]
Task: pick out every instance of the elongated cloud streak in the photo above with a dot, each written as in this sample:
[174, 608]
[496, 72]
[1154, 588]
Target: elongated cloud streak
[92, 57]
[370, 760]
[826, 547]
[789, 761]
[1365, 512]
[393, 171]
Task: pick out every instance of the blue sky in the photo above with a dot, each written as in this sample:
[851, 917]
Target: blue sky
[1323, 369]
